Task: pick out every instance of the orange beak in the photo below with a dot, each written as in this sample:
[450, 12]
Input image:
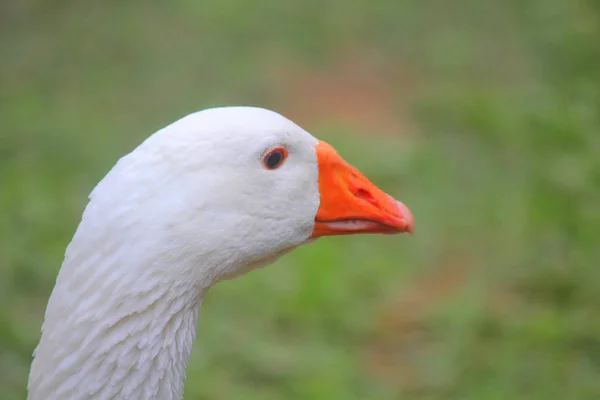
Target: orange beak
[351, 204]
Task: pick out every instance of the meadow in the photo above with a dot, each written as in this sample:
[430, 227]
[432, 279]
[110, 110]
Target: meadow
[483, 117]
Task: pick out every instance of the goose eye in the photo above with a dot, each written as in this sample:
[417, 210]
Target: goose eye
[274, 158]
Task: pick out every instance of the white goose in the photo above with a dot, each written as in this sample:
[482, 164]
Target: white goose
[210, 197]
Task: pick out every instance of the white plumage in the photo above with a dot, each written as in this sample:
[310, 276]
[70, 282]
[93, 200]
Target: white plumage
[191, 206]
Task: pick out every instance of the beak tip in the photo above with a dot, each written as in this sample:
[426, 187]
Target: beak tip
[409, 228]
[407, 216]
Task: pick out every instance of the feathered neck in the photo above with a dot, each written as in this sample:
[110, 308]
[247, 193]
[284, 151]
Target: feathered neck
[117, 337]
[121, 320]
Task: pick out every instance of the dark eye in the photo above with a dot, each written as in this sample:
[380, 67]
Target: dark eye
[275, 157]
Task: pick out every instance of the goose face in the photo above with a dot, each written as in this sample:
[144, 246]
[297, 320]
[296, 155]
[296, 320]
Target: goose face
[242, 186]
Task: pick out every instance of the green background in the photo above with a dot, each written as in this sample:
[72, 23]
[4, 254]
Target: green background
[483, 117]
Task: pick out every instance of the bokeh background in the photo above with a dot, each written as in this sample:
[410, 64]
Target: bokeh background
[483, 117]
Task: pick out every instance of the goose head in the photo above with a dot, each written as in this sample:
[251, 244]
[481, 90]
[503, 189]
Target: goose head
[210, 197]
[238, 187]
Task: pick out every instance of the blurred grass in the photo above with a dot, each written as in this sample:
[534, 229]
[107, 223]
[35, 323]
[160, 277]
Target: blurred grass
[498, 293]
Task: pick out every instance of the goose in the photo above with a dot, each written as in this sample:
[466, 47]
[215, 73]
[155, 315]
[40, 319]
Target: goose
[210, 197]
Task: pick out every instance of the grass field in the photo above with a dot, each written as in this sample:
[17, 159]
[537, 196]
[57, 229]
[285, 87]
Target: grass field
[483, 117]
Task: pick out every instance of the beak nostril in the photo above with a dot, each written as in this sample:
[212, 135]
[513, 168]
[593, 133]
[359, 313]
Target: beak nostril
[366, 195]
